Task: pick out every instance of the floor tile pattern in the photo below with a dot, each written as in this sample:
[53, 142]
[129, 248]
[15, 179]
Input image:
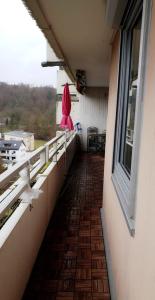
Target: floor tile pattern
[71, 264]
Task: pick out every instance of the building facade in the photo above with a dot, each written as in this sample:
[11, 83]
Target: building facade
[19, 135]
[12, 151]
[83, 107]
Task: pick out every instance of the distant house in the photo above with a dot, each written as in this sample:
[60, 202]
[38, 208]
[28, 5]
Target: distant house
[20, 135]
[12, 151]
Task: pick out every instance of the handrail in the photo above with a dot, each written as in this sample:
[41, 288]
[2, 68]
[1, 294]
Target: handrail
[43, 154]
[9, 173]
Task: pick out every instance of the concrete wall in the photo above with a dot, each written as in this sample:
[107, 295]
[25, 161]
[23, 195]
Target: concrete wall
[50, 55]
[63, 78]
[21, 236]
[132, 259]
[93, 111]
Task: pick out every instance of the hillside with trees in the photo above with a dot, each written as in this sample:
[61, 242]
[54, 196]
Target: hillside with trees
[29, 108]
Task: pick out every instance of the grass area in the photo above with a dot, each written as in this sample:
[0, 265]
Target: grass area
[44, 167]
[38, 143]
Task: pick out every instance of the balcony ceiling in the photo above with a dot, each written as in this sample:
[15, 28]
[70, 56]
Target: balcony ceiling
[78, 33]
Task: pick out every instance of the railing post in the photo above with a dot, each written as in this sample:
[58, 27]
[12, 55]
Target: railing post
[47, 153]
[25, 176]
[28, 171]
[65, 140]
[55, 149]
[65, 144]
[43, 157]
[29, 181]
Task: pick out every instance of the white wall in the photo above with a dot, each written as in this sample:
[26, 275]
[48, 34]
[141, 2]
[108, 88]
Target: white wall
[63, 78]
[50, 55]
[18, 155]
[21, 153]
[93, 111]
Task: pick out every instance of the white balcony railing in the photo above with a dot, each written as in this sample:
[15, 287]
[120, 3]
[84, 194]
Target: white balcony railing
[22, 228]
[34, 163]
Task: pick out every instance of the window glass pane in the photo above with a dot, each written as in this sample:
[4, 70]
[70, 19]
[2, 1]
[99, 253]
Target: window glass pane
[133, 81]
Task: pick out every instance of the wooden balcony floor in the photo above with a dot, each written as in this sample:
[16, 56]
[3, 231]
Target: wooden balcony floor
[71, 264]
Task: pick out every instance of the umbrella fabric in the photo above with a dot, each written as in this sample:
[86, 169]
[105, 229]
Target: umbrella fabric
[66, 121]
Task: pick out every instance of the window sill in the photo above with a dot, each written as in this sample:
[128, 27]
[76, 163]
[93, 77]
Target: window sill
[129, 221]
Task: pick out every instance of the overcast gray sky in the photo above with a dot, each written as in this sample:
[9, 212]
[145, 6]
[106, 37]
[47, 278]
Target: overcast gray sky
[22, 47]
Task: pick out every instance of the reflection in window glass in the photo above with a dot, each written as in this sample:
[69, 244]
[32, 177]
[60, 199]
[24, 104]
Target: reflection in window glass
[133, 81]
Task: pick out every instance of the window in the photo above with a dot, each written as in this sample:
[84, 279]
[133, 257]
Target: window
[131, 93]
[130, 90]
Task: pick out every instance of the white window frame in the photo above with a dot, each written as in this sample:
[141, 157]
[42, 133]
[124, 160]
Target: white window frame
[125, 186]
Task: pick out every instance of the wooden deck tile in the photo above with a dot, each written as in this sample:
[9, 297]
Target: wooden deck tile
[83, 263]
[83, 285]
[99, 263]
[100, 296]
[84, 273]
[65, 296]
[71, 263]
[83, 296]
[99, 273]
[66, 285]
[84, 253]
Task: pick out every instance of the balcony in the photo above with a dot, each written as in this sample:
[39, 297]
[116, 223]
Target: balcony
[22, 233]
[71, 262]
[87, 35]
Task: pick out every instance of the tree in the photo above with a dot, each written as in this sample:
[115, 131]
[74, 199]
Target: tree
[29, 108]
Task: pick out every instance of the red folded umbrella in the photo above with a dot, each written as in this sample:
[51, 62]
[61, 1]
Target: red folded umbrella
[66, 121]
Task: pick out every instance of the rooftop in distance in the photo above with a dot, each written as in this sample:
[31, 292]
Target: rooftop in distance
[19, 133]
[10, 145]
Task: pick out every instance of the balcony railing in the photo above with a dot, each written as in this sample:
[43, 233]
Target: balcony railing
[33, 164]
[23, 231]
